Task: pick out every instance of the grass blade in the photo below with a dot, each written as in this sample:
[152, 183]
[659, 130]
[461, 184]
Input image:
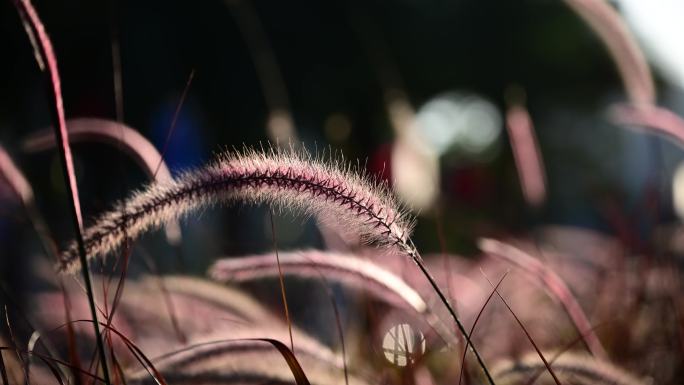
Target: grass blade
[281, 280]
[555, 286]
[3, 371]
[573, 368]
[527, 334]
[291, 360]
[338, 323]
[48, 64]
[281, 128]
[472, 328]
[173, 124]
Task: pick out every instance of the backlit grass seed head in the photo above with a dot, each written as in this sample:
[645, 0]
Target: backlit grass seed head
[340, 196]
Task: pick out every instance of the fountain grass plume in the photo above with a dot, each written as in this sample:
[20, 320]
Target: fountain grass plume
[344, 268]
[308, 263]
[12, 175]
[126, 139]
[343, 197]
[340, 196]
[629, 59]
[110, 132]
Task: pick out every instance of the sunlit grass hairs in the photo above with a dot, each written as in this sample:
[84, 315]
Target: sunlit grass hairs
[337, 194]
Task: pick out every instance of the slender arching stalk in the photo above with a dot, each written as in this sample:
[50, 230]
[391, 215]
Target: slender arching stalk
[46, 60]
[342, 197]
[415, 256]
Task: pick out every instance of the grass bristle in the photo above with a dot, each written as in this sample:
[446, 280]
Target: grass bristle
[345, 199]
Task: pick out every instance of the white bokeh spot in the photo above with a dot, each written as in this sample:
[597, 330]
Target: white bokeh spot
[403, 345]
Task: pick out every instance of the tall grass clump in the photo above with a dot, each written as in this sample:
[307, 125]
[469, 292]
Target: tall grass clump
[347, 201]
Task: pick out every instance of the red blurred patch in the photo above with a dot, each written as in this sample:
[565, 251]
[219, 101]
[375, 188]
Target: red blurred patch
[380, 165]
[473, 186]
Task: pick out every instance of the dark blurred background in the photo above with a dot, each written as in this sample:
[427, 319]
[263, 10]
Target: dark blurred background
[336, 59]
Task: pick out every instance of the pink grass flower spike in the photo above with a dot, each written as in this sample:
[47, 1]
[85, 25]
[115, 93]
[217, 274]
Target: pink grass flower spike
[348, 202]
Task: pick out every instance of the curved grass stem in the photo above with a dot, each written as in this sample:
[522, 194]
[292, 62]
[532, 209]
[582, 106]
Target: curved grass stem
[419, 261]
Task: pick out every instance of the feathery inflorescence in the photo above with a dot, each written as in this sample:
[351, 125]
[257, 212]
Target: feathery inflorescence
[311, 263]
[344, 268]
[15, 178]
[343, 198]
[629, 59]
[204, 310]
[126, 139]
[129, 140]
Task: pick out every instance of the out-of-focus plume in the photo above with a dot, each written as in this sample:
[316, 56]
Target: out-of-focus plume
[652, 118]
[22, 188]
[528, 158]
[348, 269]
[129, 140]
[553, 283]
[628, 57]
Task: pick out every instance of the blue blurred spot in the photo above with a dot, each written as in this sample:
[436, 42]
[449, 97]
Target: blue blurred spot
[185, 146]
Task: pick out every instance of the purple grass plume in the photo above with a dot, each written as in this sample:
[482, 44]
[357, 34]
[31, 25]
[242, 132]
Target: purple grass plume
[341, 197]
[310, 263]
[629, 59]
[126, 139]
[344, 268]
